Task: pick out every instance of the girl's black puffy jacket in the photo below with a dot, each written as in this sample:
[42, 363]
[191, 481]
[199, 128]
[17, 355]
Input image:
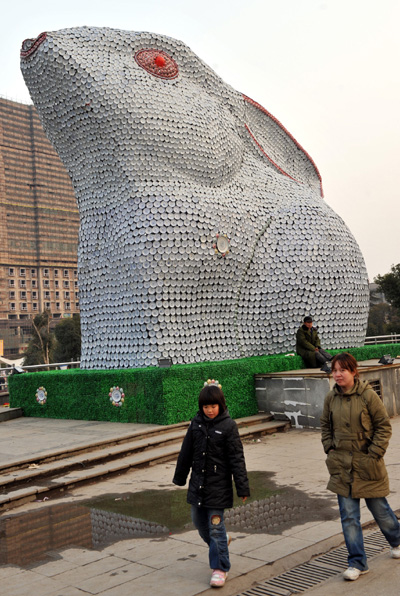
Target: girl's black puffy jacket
[214, 451]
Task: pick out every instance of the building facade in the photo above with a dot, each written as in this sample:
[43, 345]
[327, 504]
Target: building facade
[39, 224]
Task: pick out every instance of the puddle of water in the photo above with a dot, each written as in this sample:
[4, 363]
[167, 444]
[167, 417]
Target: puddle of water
[169, 508]
[26, 538]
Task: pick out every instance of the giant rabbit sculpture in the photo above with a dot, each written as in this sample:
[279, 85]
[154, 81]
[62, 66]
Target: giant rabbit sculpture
[203, 232]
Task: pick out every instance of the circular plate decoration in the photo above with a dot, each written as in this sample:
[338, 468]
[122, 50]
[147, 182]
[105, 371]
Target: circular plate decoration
[212, 382]
[221, 245]
[41, 396]
[157, 63]
[117, 396]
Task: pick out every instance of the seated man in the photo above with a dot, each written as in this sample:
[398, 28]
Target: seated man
[308, 345]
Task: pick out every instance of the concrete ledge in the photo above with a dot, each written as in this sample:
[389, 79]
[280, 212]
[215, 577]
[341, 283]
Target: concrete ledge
[10, 413]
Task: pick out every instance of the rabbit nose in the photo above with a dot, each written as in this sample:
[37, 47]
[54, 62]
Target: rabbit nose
[29, 46]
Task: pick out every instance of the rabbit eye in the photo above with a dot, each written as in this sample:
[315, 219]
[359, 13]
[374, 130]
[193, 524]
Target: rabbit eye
[157, 63]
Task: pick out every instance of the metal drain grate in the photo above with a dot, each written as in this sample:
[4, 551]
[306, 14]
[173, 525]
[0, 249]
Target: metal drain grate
[308, 575]
[376, 538]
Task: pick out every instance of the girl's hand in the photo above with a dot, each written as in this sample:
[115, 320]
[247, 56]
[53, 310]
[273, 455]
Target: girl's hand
[244, 499]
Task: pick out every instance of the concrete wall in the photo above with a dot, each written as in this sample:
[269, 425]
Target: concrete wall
[301, 398]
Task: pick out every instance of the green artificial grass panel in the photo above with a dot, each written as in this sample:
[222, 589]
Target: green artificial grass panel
[155, 395]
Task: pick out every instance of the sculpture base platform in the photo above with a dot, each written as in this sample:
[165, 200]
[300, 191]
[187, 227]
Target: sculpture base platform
[299, 395]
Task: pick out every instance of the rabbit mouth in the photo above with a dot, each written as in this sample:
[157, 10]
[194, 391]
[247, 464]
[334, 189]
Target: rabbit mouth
[29, 46]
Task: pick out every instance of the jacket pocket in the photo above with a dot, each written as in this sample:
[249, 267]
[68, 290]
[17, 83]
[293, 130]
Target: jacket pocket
[332, 463]
[369, 467]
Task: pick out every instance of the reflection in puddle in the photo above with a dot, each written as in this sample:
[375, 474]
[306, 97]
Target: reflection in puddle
[25, 538]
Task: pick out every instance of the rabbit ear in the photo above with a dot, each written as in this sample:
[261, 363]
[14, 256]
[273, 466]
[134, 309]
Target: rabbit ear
[278, 146]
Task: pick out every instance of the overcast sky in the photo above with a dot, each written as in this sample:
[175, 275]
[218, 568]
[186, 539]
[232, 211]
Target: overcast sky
[327, 69]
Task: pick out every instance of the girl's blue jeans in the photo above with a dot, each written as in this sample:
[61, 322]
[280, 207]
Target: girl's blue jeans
[350, 516]
[211, 527]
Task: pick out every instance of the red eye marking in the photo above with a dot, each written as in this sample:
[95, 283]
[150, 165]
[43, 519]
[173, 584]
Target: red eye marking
[157, 63]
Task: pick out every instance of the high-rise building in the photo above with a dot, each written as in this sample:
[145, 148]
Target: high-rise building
[39, 224]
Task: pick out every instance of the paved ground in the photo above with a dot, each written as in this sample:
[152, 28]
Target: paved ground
[177, 564]
[23, 438]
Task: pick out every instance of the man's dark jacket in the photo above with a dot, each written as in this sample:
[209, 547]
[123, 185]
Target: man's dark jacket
[214, 451]
[306, 342]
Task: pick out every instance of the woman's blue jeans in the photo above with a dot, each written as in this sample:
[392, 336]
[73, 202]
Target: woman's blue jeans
[211, 527]
[350, 517]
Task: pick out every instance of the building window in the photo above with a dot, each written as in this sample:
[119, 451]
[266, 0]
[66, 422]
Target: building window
[33, 272]
[57, 295]
[57, 315]
[13, 317]
[55, 272]
[75, 273]
[46, 283]
[34, 305]
[77, 305]
[22, 272]
[67, 306]
[76, 284]
[22, 283]
[12, 295]
[11, 283]
[34, 283]
[22, 295]
[45, 272]
[12, 305]
[57, 283]
[47, 295]
[66, 283]
[11, 271]
[47, 305]
[34, 295]
[66, 273]
[58, 306]
[66, 294]
[24, 306]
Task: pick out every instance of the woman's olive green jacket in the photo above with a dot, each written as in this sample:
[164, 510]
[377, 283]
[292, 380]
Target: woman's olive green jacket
[355, 434]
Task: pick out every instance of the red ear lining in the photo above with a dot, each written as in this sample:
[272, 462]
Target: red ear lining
[289, 136]
[268, 157]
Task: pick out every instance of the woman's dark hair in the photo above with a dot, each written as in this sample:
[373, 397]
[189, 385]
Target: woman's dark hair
[347, 361]
[211, 394]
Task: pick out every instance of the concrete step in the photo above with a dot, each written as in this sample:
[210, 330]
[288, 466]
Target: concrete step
[157, 431]
[9, 413]
[37, 480]
[100, 452]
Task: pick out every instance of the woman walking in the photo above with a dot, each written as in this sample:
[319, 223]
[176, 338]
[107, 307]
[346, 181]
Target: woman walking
[355, 434]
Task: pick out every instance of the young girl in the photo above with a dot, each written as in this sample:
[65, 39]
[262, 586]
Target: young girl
[213, 449]
[355, 434]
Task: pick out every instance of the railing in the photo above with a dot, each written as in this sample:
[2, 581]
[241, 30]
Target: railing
[393, 338]
[9, 370]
